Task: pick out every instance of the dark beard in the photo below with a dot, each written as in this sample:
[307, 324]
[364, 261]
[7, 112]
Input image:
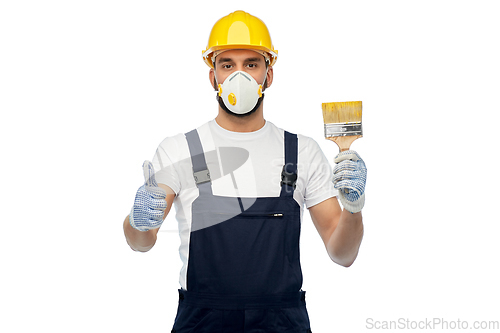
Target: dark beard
[224, 107]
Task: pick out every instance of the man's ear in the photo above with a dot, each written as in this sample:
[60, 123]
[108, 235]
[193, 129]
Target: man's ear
[269, 77]
[211, 75]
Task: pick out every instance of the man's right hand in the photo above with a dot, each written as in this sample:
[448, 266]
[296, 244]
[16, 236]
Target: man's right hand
[349, 177]
[149, 204]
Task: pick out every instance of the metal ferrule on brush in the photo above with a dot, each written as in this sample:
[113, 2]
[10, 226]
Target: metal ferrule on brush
[343, 129]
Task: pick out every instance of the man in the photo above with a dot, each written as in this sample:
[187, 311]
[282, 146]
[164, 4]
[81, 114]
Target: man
[239, 184]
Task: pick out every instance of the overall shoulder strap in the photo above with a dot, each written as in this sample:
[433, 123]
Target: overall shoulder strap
[289, 172]
[200, 170]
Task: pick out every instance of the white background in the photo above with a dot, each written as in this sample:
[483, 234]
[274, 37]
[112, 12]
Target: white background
[88, 89]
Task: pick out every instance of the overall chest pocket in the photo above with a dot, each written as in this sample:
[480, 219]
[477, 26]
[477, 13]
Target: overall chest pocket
[244, 253]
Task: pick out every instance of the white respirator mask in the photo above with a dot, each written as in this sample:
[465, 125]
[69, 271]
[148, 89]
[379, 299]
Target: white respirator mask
[240, 92]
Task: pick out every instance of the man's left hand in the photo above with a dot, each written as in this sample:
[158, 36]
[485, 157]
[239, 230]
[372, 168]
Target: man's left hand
[349, 177]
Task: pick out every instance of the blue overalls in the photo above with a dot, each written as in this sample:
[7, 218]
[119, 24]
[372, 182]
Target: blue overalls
[244, 271]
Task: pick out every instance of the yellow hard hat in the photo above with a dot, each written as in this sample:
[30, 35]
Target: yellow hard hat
[240, 30]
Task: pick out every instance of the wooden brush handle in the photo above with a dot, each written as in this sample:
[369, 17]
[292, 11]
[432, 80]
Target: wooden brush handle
[344, 142]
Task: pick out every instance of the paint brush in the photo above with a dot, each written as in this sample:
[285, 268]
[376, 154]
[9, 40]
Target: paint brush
[342, 123]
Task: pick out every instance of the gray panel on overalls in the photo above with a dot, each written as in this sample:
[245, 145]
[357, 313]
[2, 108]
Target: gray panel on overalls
[244, 270]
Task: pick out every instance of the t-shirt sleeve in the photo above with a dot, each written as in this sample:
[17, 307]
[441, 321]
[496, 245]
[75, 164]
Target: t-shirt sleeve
[166, 164]
[319, 186]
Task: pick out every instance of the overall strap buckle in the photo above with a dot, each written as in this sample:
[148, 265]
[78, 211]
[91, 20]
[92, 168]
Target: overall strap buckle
[201, 174]
[201, 177]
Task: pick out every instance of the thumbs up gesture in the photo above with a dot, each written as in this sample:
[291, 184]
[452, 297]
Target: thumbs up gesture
[149, 204]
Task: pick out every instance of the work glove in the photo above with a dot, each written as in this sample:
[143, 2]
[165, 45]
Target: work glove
[349, 177]
[150, 203]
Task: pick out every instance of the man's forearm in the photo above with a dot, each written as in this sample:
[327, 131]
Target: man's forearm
[344, 242]
[141, 241]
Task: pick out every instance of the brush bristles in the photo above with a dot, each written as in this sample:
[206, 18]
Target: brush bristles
[341, 112]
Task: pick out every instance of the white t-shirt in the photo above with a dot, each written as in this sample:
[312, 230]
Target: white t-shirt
[240, 165]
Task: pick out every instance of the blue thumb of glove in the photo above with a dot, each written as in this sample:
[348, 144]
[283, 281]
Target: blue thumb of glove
[149, 174]
[150, 181]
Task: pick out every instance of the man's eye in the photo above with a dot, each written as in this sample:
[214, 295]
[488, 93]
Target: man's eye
[251, 65]
[226, 66]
